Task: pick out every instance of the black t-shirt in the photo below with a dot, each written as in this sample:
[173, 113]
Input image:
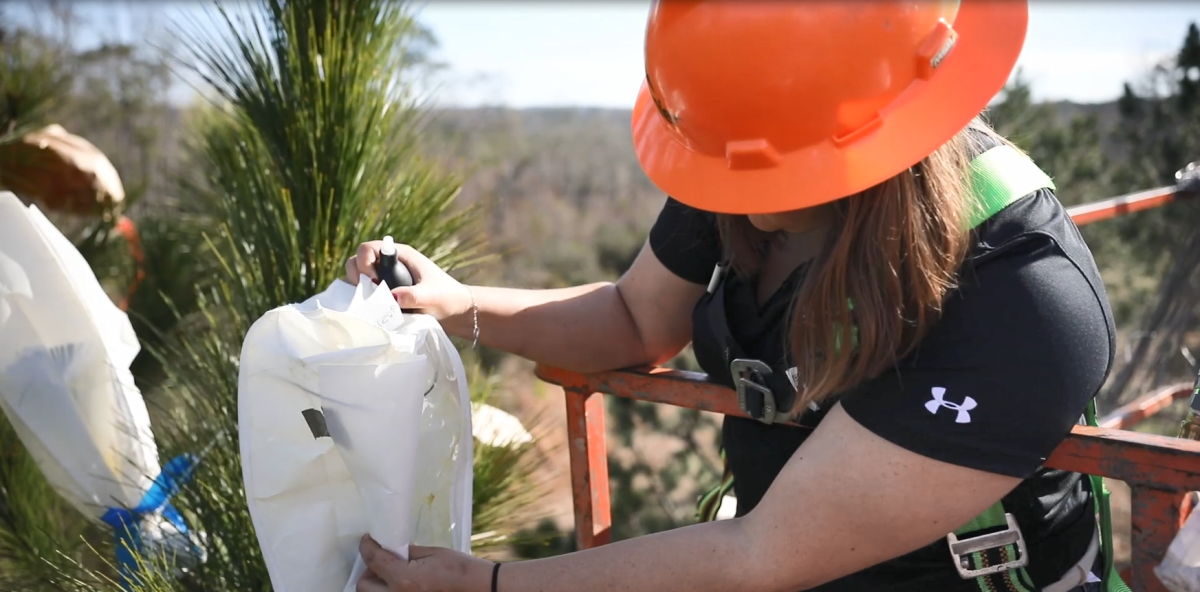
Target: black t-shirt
[1028, 336]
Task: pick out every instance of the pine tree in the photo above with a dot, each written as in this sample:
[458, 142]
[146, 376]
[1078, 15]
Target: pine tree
[312, 145]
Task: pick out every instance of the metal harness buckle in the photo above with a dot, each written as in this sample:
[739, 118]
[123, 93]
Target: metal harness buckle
[744, 374]
[961, 549]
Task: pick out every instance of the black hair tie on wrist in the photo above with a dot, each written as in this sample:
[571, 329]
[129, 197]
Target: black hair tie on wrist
[495, 575]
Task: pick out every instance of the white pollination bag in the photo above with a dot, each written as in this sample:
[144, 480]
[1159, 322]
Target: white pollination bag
[66, 389]
[65, 351]
[354, 417]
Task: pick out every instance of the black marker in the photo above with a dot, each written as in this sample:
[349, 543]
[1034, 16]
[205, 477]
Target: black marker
[389, 270]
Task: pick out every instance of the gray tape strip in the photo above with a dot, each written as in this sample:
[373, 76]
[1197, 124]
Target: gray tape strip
[316, 423]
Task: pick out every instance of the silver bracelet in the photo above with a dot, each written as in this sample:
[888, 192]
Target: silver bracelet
[474, 318]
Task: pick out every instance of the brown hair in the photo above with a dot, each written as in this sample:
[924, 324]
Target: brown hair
[885, 269]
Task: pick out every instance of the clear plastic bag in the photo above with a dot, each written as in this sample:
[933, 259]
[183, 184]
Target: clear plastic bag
[348, 410]
[1180, 568]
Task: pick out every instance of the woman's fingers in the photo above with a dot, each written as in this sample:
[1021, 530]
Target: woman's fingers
[363, 262]
[366, 257]
[432, 292]
[418, 264]
[427, 569]
[412, 297]
[381, 562]
[370, 582]
[416, 552]
[352, 270]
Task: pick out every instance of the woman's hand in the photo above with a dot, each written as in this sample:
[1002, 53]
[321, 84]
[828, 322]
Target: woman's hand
[428, 569]
[434, 292]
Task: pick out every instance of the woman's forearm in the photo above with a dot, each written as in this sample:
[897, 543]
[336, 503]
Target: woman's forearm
[583, 328]
[713, 556]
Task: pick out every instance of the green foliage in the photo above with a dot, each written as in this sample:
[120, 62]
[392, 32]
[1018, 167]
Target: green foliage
[43, 540]
[545, 539]
[312, 148]
[200, 396]
[177, 263]
[660, 461]
[312, 145]
[1073, 154]
[32, 82]
[313, 152]
[1160, 134]
[40, 534]
[505, 489]
[655, 486]
[320, 152]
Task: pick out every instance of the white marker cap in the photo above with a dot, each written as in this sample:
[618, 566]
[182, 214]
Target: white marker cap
[389, 246]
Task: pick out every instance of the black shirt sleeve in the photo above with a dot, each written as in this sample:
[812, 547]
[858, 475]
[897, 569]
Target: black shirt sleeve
[686, 241]
[1000, 380]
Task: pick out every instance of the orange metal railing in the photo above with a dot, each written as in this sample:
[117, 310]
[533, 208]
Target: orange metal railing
[1162, 472]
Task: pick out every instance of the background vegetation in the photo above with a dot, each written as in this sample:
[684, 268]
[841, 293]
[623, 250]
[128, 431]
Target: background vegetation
[555, 194]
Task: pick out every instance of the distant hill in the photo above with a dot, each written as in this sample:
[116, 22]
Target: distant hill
[564, 188]
[567, 192]
[567, 200]
[1066, 111]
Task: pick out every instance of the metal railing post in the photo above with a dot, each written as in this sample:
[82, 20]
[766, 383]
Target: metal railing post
[1154, 521]
[589, 468]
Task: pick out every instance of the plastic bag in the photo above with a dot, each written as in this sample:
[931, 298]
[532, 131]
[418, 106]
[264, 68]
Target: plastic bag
[354, 418]
[1180, 567]
[65, 353]
[65, 387]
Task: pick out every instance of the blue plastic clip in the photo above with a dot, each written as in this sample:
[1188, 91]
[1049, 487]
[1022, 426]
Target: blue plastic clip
[126, 523]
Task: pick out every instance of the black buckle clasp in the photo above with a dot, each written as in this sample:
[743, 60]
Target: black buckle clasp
[754, 396]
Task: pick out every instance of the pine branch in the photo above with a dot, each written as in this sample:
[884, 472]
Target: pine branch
[41, 536]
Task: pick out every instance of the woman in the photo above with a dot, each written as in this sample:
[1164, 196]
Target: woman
[899, 278]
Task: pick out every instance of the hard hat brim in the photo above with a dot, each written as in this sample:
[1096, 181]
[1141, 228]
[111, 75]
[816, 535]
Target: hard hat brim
[926, 116]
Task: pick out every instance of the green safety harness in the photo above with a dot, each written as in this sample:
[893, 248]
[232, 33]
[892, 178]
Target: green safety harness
[990, 548]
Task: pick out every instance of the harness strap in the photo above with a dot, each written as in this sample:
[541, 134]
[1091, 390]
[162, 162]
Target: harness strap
[763, 392]
[996, 560]
[990, 548]
[999, 177]
[1100, 495]
[710, 503]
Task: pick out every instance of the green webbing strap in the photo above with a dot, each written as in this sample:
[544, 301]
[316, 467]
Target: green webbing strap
[1112, 580]
[710, 503]
[1000, 177]
[1013, 580]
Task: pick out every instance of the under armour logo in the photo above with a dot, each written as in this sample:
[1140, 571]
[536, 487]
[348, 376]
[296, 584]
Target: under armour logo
[963, 409]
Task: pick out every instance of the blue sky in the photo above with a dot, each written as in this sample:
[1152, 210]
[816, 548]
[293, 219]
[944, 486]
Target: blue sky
[547, 53]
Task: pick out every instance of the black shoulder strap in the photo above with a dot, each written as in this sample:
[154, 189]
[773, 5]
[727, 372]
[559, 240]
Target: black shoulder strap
[999, 177]
[765, 393]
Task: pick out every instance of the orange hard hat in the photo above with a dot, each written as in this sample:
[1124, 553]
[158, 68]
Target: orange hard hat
[763, 106]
